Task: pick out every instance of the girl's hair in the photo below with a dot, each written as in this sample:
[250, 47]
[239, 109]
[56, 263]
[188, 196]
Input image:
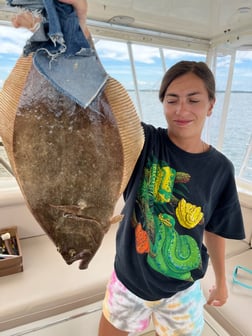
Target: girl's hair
[181, 68]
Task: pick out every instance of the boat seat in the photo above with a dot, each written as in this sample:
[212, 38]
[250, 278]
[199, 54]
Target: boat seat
[234, 316]
[48, 286]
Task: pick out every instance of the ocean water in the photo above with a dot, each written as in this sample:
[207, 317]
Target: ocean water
[237, 132]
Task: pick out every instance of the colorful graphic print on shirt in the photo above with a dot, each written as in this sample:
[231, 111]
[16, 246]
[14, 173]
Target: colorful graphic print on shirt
[156, 213]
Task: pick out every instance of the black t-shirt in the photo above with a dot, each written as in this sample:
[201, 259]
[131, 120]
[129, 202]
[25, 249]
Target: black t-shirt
[171, 198]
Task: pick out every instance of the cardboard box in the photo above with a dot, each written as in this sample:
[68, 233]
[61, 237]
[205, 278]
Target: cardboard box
[11, 265]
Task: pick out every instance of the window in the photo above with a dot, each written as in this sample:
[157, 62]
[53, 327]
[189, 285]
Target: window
[140, 69]
[238, 127]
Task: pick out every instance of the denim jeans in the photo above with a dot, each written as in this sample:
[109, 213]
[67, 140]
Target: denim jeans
[61, 51]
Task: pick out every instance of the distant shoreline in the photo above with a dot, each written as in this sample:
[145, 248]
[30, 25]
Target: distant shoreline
[156, 90]
[217, 91]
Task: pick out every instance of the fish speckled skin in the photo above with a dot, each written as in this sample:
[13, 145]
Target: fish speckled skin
[70, 161]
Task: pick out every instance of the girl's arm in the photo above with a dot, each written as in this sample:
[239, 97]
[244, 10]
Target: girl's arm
[216, 250]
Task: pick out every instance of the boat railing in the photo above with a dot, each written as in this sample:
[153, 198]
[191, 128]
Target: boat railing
[246, 166]
[4, 163]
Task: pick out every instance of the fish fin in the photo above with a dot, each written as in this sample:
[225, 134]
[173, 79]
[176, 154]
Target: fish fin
[116, 219]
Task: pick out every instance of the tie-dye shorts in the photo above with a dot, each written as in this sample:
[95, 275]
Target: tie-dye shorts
[181, 314]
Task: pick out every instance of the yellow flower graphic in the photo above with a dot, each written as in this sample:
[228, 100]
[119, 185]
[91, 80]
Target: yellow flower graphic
[188, 215]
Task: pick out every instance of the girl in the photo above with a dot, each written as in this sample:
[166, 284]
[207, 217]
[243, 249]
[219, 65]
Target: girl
[181, 191]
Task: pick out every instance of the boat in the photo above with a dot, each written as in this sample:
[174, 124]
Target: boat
[136, 42]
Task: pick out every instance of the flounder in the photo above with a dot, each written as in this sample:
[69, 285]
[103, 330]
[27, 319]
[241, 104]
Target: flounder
[72, 160]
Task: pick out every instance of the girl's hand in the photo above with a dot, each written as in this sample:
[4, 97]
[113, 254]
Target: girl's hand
[80, 7]
[217, 296]
[26, 20]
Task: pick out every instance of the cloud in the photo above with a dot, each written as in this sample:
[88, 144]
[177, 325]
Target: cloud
[243, 56]
[12, 40]
[223, 62]
[115, 57]
[144, 54]
[119, 51]
[175, 54]
[112, 50]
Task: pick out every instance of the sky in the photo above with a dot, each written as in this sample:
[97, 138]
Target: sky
[114, 56]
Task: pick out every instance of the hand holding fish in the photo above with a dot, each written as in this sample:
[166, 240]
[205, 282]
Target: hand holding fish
[26, 19]
[30, 20]
[81, 8]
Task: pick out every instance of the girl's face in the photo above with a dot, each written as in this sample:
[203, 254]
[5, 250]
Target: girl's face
[186, 106]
